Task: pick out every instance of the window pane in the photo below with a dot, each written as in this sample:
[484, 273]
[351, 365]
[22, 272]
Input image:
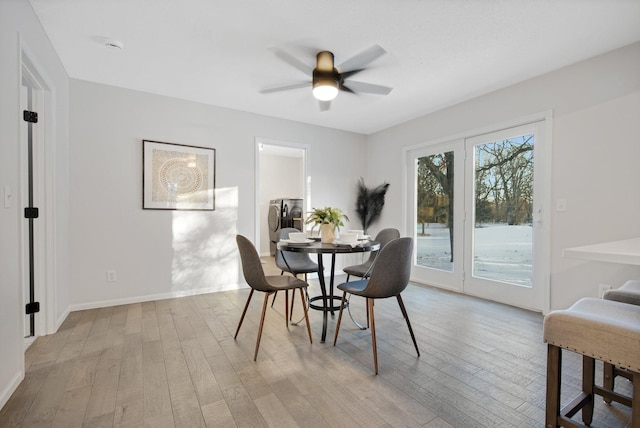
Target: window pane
[503, 246]
[434, 230]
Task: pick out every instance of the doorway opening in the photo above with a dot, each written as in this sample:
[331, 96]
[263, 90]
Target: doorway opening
[281, 171]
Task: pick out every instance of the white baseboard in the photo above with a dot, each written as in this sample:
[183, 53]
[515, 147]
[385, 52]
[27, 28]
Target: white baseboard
[28, 341]
[61, 319]
[151, 297]
[11, 388]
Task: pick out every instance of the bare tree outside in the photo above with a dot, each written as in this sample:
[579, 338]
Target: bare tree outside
[503, 180]
[435, 195]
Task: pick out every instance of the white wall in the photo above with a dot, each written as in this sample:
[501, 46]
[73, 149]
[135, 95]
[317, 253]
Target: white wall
[167, 253]
[596, 150]
[96, 152]
[20, 30]
[280, 177]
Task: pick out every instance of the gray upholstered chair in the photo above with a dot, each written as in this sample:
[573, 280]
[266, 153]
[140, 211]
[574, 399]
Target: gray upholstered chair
[294, 263]
[389, 277]
[362, 270]
[255, 277]
[383, 237]
[628, 293]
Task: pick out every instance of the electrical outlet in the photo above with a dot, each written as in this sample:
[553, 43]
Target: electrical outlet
[111, 276]
[602, 288]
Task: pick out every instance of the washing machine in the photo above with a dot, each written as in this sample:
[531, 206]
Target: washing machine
[283, 212]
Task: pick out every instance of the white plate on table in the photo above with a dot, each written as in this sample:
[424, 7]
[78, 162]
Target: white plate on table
[352, 244]
[305, 242]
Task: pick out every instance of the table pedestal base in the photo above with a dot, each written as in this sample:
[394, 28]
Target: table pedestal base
[327, 298]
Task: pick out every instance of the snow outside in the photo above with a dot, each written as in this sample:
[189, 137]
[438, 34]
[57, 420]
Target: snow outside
[501, 253]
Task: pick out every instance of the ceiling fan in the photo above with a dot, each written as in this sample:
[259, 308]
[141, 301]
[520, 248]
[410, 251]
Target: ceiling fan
[327, 79]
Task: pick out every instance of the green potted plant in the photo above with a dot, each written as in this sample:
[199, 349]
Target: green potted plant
[329, 220]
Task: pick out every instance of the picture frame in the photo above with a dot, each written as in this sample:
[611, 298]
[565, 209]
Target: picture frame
[177, 176]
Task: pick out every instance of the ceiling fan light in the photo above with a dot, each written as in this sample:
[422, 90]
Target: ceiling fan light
[325, 89]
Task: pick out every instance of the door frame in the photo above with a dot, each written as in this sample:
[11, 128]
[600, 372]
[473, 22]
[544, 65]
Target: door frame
[33, 76]
[542, 217]
[426, 275]
[521, 296]
[305, 148]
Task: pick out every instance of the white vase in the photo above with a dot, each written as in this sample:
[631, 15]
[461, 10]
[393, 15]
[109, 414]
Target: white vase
[327, 233]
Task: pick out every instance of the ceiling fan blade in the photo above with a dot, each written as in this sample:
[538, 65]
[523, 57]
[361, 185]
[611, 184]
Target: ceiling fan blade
[324, 105]
[286, 87]
[346, 89]
[368, 88]
[293, 61]
[359, 61]
[348, 74]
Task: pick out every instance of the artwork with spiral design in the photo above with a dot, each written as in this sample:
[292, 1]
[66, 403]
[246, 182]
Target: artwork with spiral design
[179, 178]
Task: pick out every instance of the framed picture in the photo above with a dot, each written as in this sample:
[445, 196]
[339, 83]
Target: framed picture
[177, 177]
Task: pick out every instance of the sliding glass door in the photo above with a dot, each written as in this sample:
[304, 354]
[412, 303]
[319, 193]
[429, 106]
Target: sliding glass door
[476, 215]
[437, 189]
[504, 192]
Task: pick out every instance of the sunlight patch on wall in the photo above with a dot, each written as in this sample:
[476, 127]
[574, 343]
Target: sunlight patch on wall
[205, 258]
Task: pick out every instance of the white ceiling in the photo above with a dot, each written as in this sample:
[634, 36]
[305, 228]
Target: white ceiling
[439, 52]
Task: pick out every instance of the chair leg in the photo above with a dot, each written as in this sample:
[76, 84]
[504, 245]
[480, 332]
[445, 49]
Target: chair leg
[246, 306]
[367, 311]
[347, 278]
[286, 307]
[554, 378]
[306, 313]
[374, 345]
[635, 401]
[608, 379]
[406, 317]
[588, 376]
[293, 299]
[264, 311]
[344, 298]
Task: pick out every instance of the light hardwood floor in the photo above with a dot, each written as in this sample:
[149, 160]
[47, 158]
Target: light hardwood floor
[175, 363]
